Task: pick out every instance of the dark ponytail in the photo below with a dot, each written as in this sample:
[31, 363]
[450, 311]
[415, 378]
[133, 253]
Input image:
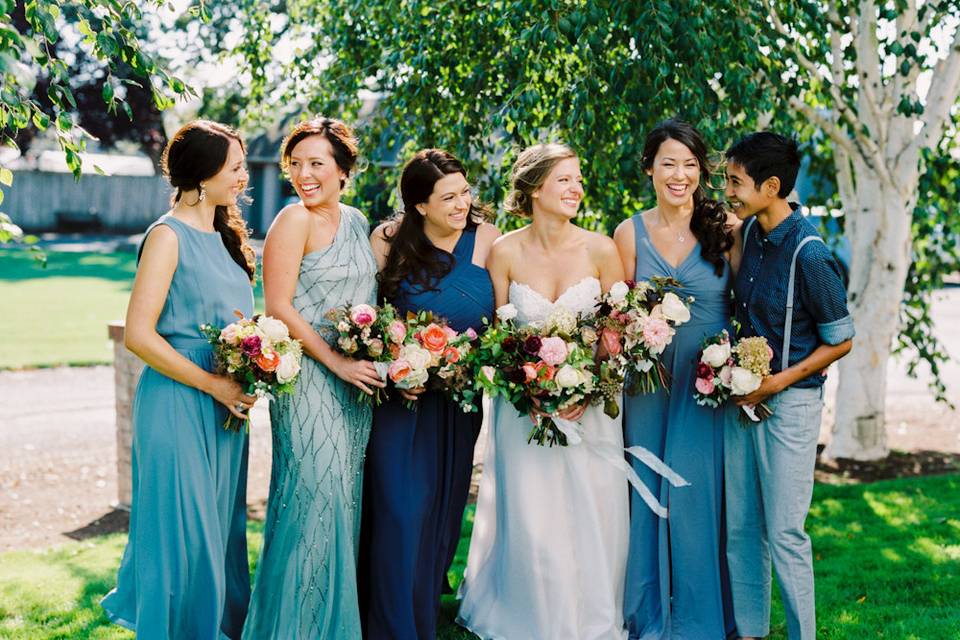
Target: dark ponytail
[197, 152]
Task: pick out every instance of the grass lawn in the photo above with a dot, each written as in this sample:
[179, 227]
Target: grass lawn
[59, 315]
[887, 563]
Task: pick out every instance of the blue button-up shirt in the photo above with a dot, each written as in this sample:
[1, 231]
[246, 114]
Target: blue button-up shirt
[820, 313]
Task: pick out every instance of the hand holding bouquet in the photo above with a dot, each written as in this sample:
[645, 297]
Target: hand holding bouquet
[258, 353]
[365, 332]
[637, 321]
[724, 370]
[541, 369]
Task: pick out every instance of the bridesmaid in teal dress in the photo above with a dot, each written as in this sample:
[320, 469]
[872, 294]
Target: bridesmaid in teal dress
[184, 571]
[677, 585]
[316, 257]
[420, 460]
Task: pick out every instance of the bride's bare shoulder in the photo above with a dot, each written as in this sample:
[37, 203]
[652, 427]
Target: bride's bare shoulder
[598, 243]
[508, 244]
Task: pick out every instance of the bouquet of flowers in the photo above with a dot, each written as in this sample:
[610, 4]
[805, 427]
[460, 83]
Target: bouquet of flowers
[366, 332]
[724, 370]
[545, 367]
[258, 353]
[637, 321]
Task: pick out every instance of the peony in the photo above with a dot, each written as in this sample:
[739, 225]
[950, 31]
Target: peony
[433, 337]
[725, 375]
[398, 370]
[611, 341]
[275, 330]
[417, 356]
[743, 381]
[619, 291]
[507, 312]
[488, 373]
[553, 350]
[375, 348]
[229, 334]
[268, 361]
[705, 385]
[567, 377]
[288, 368]
[251, 346]
[362, 315]
[674, 309]
[716, 355]
[656, 334]
[397, 332]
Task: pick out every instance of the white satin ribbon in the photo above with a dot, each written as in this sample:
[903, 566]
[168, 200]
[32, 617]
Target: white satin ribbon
[572, 430]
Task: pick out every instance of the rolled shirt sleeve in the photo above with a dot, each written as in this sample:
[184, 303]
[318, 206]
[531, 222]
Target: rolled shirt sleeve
[820, 288]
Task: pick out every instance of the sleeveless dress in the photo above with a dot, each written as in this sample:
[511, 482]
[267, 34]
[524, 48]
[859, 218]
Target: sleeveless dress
[418, 469]
[184, 571]
[549, 546]
[679, 560]
[306, 578]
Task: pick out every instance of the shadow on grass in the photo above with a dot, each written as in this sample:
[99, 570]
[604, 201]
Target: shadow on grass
[116, 521]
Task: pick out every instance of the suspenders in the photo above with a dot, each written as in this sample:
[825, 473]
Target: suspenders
[788, 322]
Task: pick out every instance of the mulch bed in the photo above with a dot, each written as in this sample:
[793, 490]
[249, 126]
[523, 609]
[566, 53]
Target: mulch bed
[899, 464]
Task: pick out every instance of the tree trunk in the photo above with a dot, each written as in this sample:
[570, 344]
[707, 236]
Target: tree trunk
[878, 226]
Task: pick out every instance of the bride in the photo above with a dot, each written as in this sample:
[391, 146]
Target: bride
[549, 548]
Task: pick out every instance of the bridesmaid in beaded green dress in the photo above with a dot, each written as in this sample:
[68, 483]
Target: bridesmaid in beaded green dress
[317, 256]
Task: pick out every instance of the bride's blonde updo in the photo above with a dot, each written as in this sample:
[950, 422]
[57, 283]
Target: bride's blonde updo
[529, 173]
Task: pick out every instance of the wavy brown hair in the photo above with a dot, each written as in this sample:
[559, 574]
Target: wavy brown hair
[337, 133]
[530, 171]
[195, 153]
[709, 221]
[412, 256]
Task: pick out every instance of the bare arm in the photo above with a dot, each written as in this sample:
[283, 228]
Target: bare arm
[378, 241]
[498, 265]
[282, 255]
[609, 264]
[736, 251]
[625, 241]
[158, 262]
[821, 358]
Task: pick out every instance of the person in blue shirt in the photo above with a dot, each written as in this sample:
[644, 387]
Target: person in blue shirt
[788, 290]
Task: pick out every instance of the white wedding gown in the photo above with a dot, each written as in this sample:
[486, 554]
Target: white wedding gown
[549, 547]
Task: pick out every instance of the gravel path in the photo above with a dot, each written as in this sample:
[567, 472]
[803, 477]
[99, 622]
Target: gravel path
[58, 448]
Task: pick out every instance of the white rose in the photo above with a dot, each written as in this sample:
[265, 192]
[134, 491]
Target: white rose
[507, 312]
[417, 356]
[619, 291]
[716, 355]
[743, 381]
[674, 309]
[416, 378]
[275, 330]
[288, 368]
[567, 377]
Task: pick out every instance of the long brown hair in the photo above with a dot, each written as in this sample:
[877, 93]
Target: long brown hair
[195, 153]
[412, 256]
[709, 221]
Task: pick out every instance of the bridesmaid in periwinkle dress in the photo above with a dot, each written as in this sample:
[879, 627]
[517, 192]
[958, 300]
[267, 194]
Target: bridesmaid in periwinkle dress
[420, 460]
[316, 257]
[677, 584]
[184, 572]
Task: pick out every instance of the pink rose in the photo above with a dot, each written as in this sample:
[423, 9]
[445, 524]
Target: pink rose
[530, 371]
[229, 333]
[705, 385]
[553, 350]
[451, 334]
[471, 333]
[398, 370]
[397, 332]
[656, 334]
[363, 315]
[611, 341]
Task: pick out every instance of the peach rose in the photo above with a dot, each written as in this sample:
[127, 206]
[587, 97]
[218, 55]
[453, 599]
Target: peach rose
[268, 361]
[433, 337]
[398, 370]
[450, 354]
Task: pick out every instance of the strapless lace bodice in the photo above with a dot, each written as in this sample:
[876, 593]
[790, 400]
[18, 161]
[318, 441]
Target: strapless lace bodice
[533, 307]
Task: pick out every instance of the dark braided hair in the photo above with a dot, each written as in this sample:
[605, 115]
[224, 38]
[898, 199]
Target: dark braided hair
[709, 221]
[195, 153]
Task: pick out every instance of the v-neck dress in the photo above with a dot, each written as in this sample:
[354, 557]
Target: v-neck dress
[677, 584]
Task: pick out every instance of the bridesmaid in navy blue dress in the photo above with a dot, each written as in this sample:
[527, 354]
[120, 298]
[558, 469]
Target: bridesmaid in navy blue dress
[419, 461]
[677, 585]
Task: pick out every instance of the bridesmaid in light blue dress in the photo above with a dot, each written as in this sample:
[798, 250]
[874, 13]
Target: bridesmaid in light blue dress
[184, 571]
[420, 460]
[677, 585]
[316, 257]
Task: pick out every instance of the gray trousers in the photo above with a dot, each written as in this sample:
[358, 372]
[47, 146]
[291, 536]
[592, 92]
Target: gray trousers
[768, 485]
